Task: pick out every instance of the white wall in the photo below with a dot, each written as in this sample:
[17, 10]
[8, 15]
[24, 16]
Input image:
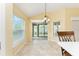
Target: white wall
[2, 28]
[75, 28]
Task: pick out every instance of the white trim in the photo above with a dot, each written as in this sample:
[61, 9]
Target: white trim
[36, 21]
[2, 29]
[75, 18]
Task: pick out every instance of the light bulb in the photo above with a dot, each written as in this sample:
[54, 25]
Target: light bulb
[48, 20]
[44, 19]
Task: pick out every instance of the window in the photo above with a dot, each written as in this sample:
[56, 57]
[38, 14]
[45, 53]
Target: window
[18, 30]
[35, 31]
[40, 30]
[46, 30]
[56, 27]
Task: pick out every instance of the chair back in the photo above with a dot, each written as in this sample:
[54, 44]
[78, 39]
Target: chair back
[66, 36]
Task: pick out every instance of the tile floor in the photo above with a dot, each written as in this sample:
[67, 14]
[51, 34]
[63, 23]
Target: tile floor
[41, 48]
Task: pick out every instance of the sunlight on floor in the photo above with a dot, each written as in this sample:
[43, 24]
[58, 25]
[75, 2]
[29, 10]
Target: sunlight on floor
[41, 48]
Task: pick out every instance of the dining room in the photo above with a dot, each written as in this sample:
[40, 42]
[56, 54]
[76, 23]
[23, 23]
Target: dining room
[40, 29]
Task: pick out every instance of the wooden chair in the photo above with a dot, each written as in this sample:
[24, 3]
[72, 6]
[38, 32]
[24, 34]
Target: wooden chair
[66, 36]
[65, 53]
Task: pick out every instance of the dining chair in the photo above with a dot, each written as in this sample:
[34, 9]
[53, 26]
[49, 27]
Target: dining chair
[66, 36]
[65, 53]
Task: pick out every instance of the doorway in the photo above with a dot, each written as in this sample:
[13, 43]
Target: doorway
[39, 31]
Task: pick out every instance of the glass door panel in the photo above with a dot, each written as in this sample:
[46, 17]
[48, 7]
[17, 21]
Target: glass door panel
[46, 30]
[35, 31]
[41, 30]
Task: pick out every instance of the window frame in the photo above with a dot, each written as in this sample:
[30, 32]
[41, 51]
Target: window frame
[38, 29]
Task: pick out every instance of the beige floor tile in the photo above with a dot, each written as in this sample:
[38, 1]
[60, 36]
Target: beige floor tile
[41, 48]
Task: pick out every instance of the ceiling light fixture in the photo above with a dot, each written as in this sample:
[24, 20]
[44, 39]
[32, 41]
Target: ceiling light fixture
[46, 19]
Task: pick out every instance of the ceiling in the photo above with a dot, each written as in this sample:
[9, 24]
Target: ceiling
[32, 9]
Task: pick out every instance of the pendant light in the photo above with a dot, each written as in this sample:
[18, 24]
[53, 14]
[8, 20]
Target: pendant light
[46, 19]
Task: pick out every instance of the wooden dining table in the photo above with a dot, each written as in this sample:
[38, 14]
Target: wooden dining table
[71, 47]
